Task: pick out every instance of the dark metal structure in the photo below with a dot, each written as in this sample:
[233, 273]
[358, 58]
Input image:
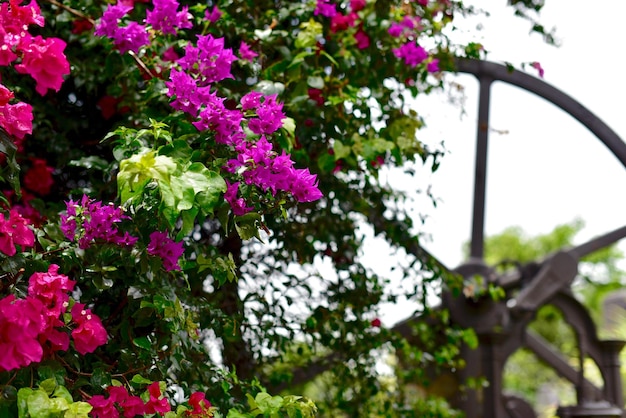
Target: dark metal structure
[502, 326]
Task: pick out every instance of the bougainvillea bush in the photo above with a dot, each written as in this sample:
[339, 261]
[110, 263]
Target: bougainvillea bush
[174, 173]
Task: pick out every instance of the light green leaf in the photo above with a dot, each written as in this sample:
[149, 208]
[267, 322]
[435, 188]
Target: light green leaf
[341, 150]
[315, 82]
[38, 404]
[22, 402]
[48, 385]
[78, 410]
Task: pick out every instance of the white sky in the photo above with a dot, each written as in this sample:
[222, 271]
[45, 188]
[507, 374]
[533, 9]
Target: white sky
[548, 169]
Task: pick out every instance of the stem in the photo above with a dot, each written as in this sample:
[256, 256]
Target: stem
[72, 11]
[142, 66]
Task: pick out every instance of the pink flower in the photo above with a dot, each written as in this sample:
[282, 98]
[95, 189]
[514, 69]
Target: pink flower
[132, 405]
[245, 53]
[362, 40]
[51, 288]
[157, 404]
[103, 408]
[5, 95]
[45, 61]
[316, 96]
[396, 29]
[109, 22]
[238, 205]
[97, 223]
[89, 334]
[340, 22]
[411, 53]
[270, 116]
[376, 323]
[170, 55]
[201, 406]
[209, 59]
[537, 66]
[131, 37]
[433, 66]
[162, 246]
[357, 5]
[325, 8]
[15, 231]
[17, 119]
[164, 16]
[251, 100]
[20, 324]
[214, 15]
[38, 178]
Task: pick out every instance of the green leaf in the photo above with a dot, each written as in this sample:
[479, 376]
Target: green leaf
[48, 385]
[62, 392]
[143, 342]
[246, 227]
[8, 148]
[341, 150]
[92, 162]
[315, 82]
[78, 410]
[52, 370]
[140, 380]
[267, 403]
[100, 378]
[39, 405]
[22, 402]
[137, 171]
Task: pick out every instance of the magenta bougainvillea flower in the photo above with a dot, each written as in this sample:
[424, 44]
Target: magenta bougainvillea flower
[43, 60]
[433, 66]
[213, 15]
[167, 18]
[17, 119]
[245, 53]
[14, 231]
[237, 204]
[362, 40]
[411, 53]
[89, 333]
[90, 221]
[20, 324]
[163, 246]
[537, 66]
[325, 8]
[209, 59]
[51, 288]
[157, 404]
[201, 406]
[126, 38]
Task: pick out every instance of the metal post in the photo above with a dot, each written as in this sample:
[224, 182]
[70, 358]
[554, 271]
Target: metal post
[480, 173]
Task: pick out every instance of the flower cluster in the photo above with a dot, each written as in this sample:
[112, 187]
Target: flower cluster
[120, 401]
[33, 326]
[164, 17]
[14, 231]
[42, 58]
[89, 333]
[408, 30]
[90, 221]
[341, 22]
[162, 246]
[260, 165]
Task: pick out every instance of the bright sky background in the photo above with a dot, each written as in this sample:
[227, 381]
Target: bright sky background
[548, 169]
